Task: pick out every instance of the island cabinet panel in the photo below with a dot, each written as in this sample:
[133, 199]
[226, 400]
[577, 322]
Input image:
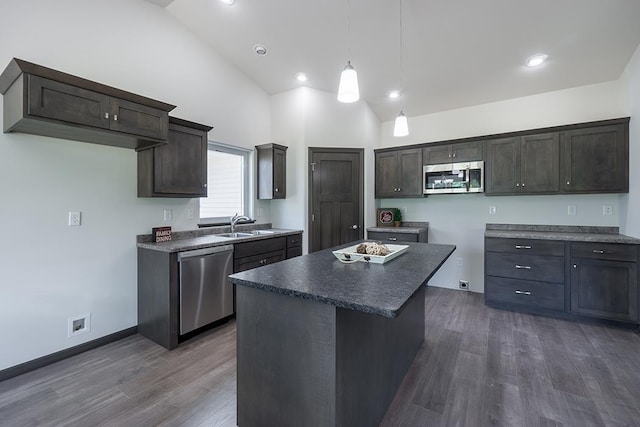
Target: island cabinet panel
[43, 101]
[523, 164]
[398, 173]
[306, 363]
[525, 274]
[179, 168]
[452, 153]
[604, 281]
[596, 159]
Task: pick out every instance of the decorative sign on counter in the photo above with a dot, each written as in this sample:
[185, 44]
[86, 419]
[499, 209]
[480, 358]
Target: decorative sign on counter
[161, 234]
[385, 217]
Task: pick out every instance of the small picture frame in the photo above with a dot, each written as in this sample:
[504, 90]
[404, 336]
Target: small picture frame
[161, 234]
[384, 217]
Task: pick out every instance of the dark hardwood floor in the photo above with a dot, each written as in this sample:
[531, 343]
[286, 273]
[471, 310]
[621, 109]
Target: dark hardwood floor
[478, 367]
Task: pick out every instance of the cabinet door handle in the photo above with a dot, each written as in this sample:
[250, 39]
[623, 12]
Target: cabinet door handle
[263, 261]
[523, 267]
[454, 154]
[575, 266]
[106, 115]
[523, 184]
[393, 239]
[276, 190]
[523, 247]
[523, 292]
[596, 251]
[568, 182]
[354, 226]
[517, 184]
[115, 117]
[205, 185]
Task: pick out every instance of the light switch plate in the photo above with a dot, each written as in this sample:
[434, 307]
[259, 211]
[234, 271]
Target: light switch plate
[492, 210]
[572, 210]
[168, 215]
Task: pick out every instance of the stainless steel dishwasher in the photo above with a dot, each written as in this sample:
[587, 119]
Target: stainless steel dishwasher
[206, 294]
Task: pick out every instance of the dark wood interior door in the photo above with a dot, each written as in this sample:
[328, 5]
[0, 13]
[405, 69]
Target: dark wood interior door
[336, 184]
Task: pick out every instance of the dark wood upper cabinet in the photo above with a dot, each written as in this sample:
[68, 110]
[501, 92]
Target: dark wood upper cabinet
[179, 168]
[596, 159]
[523, 164]
[272, 171]
[452, 153]
[43, 101]
[398, 173]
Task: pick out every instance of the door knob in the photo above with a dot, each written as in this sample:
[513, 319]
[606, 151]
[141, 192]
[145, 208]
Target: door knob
[354, 226]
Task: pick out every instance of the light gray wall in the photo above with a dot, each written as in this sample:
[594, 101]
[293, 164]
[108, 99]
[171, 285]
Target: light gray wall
[304, 118]
[461, 219]
[50, 271]
[630, 204]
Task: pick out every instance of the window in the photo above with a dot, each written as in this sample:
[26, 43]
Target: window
[228, 183]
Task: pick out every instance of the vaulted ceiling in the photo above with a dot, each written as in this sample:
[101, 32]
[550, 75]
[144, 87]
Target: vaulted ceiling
[456, 53]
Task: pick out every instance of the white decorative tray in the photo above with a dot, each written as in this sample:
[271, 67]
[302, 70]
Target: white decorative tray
[349, 255]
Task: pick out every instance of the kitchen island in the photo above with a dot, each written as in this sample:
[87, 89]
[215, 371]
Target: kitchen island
[323, 343]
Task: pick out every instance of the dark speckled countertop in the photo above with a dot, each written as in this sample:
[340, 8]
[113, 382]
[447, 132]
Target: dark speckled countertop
[382, 289]
[567, 233]
[208, 237]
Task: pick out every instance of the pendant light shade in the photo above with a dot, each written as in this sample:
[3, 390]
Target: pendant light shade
[401, 126]
[348, 90]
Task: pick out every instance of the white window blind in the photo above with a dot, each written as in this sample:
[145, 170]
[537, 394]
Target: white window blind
[227, 191]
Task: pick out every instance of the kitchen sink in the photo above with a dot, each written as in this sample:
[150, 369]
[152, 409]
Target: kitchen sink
[261, 232]
[234, 235]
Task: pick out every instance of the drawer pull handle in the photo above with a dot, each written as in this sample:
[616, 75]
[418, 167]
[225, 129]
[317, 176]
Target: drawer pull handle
[523, 292]
[523, 267]
[596, 251]
[523, 247]
[393, 239]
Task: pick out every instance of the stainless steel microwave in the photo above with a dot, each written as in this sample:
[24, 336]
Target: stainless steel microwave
[447, 178]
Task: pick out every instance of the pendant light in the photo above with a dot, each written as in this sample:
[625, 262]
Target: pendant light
[401, 125]
[348, 90]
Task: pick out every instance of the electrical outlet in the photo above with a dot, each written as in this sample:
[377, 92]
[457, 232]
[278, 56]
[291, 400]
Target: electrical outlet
[190, 213]
[168, 215]
[572, 210]
[492, 210]
[607, 210]
[464, 285]
[460, 262]
[74, 219]
[78, 325]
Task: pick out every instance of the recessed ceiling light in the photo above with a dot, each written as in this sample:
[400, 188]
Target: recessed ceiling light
[302, 77]
[536, 60]
[260, 50]
[394, 94]
[228, 2]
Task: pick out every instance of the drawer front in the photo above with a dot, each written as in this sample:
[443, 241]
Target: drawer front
[247, 249]
[531, 267]
[528, 293]
[609, 251]
[392, 237]
[524, 246]
[294, 241]
[294, 252]
[255, 261]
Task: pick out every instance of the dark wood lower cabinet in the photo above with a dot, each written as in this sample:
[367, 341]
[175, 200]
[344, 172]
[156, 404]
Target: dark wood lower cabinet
[604, 288]
[248, 255]
[572, 279]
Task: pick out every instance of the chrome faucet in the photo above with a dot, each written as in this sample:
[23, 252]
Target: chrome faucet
[236, 218]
